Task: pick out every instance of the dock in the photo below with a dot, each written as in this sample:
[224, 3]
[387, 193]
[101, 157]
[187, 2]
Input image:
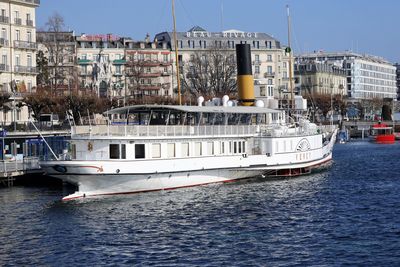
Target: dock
[10, 169]
[20, 158]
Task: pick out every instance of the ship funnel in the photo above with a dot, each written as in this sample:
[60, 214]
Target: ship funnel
[244, 77]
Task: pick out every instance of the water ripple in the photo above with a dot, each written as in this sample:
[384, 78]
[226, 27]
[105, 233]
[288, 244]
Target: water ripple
[348, 215]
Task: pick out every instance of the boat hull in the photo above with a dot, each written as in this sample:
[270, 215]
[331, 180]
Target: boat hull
[94, 184]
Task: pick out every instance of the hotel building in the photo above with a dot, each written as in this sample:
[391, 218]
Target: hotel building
[270, 63]
[368, 77]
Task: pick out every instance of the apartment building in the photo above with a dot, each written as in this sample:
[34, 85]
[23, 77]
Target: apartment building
[269, 60]
[18, 45]
[368, 77]
[17, 56]
[315, 78]
[60, 51]
[101, 64]
[148, 69]
[397, 65]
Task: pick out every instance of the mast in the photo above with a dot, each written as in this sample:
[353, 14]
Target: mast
[176, 55]
[289, 50]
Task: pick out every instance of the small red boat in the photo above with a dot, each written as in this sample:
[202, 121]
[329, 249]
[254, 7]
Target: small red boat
[383, 134]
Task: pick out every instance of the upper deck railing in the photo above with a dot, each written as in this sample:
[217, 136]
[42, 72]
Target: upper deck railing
[165, 131]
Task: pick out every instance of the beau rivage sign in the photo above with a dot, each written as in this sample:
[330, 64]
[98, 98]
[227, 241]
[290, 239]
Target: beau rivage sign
[222, 34]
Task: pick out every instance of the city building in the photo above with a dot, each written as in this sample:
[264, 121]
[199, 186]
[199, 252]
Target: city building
[101, 64]
[368, 77]
[397, 65]
[148, 69]
[18, 45]
[317, 78]
[59, 48]
[18, 57]
[269, 60]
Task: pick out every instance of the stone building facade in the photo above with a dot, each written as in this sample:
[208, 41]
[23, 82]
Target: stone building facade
[320, 78]
[18, 45]
[270, 63]
[368, 77]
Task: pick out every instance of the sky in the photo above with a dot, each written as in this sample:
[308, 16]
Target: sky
[361, 26]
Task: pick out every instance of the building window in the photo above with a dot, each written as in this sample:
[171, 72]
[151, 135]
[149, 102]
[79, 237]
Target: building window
[29, 36]
[257, 69]
[17, 35]
[269, 58]
[262, 90]
[29, 60]
[156, 150]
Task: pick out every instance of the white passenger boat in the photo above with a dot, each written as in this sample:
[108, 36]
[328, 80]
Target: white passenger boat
[160, 147]
[165, 147]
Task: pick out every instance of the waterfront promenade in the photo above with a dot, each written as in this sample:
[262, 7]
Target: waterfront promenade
[21, 151]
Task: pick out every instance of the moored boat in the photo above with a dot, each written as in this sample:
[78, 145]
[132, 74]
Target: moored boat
[161, 147]
[383, 134]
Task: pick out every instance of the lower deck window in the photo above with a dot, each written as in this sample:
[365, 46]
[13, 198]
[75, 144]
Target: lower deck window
[117, 151]
[156, 151]
[197, 149]
[139, 151]
[114, 151]
[185, 150]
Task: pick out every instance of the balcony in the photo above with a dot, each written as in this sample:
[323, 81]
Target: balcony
[84, 61]
[85, 73]
[156, 86]
[150, 74]
[118, 74]
[269, 74]
[119, 62]
[256, 62]
[166, 73]
[3, 42]
[4, 67]
[25, 69]
[29, 22]
[4, 19]
[25, 45]
[33, 2]
[166, 62]
[18, 21]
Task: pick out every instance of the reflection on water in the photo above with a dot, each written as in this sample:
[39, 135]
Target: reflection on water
[347, 215]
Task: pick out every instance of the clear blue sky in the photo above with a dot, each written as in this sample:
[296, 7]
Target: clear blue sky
[362, 26]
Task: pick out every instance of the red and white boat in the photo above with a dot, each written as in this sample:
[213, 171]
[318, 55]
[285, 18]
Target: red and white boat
[383, 134]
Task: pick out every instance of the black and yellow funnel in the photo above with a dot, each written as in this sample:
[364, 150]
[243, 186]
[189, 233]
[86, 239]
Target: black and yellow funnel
[245, 77]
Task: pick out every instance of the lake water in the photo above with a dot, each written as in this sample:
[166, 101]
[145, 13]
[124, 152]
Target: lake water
[348, 215]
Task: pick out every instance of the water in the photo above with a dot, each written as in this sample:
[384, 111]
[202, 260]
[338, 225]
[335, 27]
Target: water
[349, 215]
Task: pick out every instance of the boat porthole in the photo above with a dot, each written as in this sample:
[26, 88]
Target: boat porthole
[117, 171]
[60, 168]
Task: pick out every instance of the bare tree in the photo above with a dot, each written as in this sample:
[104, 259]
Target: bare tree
[211, 72]
[135, 69]
[60, 48]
